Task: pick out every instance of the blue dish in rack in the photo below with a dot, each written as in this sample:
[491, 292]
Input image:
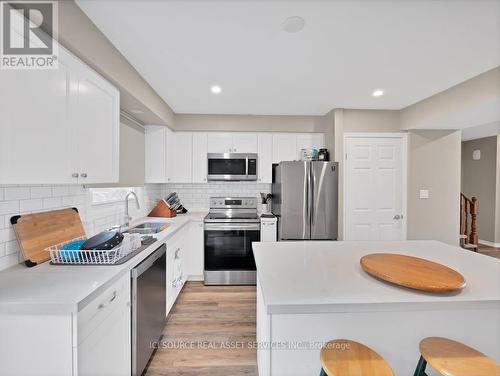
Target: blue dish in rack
[70, 252]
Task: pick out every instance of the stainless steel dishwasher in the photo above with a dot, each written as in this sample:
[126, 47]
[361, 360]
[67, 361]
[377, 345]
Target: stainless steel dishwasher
[149, 304]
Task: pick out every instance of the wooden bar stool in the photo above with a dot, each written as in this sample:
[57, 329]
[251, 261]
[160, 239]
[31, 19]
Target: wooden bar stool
[451, 358]
[342, 357]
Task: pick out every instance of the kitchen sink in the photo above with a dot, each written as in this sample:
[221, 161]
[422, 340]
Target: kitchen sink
[149, 228]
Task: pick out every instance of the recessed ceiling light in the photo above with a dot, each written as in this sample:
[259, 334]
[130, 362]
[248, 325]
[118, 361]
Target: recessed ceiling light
[378, 93]
[215, 89]
[137, 112]
[293, 24]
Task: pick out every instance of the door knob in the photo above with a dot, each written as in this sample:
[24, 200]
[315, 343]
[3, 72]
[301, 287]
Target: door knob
[397, 216]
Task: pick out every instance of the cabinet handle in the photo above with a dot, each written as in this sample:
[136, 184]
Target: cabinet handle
[83, 175]
[102, 305]
[234, 149]
[75, 175]
[177, 253]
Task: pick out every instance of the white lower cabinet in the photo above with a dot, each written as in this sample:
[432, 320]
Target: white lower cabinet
[93, 341]
[106, 351]
[104, 333]
[184, 259]
[177, 257]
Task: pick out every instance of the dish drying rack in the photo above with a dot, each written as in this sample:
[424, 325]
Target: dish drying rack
[93, 257]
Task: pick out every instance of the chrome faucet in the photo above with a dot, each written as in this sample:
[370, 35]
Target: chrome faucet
[129, 218]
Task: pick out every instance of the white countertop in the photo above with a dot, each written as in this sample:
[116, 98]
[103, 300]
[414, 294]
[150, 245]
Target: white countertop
[56, 288]
[325, 276]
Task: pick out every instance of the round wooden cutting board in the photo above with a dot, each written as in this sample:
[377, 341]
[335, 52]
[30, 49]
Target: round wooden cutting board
[412, 272]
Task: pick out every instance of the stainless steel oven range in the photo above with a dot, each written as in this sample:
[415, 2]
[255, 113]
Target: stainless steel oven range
[230, 227]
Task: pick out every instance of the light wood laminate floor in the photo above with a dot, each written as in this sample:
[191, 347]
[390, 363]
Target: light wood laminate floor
[210, 331]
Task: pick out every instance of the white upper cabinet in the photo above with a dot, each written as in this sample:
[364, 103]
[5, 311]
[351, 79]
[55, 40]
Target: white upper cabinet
[200, 157]
[244, 142]
[220, 142]
[235, 142]
[265, 151]
[287, 146]
[310, 140]
[58, 126]
[35, 135]
[156, 154]
[179, 157]
[97, 113]
[284, 147]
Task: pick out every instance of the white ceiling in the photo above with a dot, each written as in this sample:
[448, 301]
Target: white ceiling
[412, 49]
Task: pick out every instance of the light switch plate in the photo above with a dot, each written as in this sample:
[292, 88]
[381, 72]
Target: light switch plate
[424, 193]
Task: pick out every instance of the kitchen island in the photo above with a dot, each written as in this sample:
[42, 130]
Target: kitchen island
[312, 292]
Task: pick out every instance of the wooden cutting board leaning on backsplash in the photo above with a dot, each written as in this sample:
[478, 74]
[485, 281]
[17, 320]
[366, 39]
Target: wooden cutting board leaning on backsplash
[35, 232]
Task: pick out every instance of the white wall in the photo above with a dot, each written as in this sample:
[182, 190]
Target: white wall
[249, 123]
[95, 218]
[434, 164]
[470, 103]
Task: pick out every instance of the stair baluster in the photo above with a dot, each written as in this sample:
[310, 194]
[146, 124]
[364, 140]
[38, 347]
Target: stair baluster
[469, 207]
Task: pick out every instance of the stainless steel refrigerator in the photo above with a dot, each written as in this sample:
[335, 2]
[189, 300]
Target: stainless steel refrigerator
[305, 200]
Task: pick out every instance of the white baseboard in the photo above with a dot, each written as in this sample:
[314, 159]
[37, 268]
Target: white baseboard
[195, 278]
[489, 244]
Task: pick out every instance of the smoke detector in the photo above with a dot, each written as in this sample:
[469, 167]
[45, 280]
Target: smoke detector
[293, 24]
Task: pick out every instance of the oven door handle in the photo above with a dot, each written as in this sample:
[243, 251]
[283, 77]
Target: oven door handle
[232, 226]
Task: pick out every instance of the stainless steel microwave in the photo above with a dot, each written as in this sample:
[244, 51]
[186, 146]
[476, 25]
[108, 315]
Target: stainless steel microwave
[232, 166]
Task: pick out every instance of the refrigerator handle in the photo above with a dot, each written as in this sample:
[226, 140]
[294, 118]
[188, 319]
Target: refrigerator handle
[311, 194]
[310, 203]
[305, 211]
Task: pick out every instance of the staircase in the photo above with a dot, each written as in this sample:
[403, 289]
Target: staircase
[469, 208]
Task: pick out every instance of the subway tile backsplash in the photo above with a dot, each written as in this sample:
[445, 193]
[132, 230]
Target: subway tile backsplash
[196, 196]
[95, 218]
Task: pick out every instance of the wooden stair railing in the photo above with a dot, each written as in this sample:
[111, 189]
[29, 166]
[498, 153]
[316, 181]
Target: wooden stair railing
[469, 209]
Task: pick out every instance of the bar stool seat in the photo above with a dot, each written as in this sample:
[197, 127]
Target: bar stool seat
[452, 358]
[342, 357]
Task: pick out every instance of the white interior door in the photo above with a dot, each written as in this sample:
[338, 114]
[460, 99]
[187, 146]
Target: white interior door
[374, 192]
